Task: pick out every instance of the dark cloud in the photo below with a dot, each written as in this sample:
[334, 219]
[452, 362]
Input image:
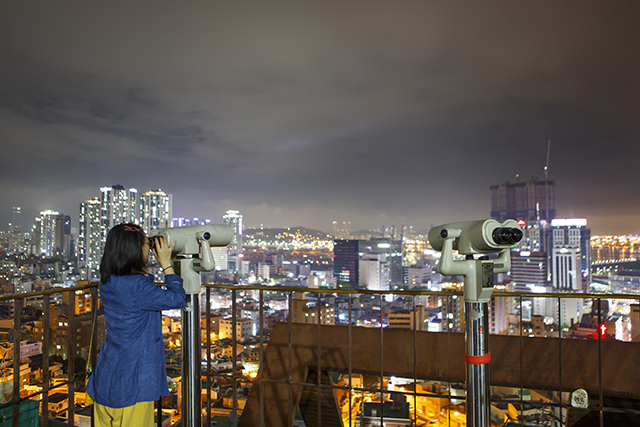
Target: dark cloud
[303, 113]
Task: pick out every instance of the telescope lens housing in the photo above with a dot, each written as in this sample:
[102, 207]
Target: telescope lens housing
[506, 235]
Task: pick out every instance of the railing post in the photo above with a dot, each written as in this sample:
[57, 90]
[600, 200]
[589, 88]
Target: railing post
[415, 361]
[93, 350]
[381, 361]
[521, 366]
[350, 368]
[319, 359]
[208, 329]
[560, 417]
[261, 369]
[46, 342]
[600, 388]
[234, 356]
[17, 306]
[292, 410]
[71, 355]
[449, 304]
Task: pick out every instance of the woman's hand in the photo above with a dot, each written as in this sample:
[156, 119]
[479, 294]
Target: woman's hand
[162, 252]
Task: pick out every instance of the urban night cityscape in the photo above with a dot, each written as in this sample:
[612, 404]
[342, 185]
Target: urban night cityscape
[330, 137]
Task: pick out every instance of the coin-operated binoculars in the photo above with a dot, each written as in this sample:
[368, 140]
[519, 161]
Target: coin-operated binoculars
[190, 256]
[471, 238]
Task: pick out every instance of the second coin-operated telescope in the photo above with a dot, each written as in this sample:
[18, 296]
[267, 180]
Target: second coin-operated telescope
[191, 255]
[482, 238]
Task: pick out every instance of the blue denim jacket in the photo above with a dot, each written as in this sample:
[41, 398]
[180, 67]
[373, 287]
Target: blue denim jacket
[131, 366]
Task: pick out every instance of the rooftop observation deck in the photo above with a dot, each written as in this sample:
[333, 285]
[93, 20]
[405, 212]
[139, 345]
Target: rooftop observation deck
[342, 371]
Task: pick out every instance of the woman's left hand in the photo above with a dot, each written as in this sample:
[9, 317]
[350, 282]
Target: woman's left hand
[162, 251]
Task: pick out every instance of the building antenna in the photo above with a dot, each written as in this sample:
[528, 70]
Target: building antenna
[546, 182]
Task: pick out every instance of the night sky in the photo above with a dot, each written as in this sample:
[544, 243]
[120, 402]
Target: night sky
[306, 112]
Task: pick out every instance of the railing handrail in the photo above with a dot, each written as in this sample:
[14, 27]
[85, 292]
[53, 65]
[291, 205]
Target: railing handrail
[416, 292]
[568, 295]
[8, 297]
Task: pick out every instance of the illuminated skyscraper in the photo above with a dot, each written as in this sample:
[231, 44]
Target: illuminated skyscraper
[118, 205]
[90, 237]
[392, 249]
[565, 269]
[50, 234]
[234, 220]
[571, 250]
[66, 237]
[373, 272]
[15, 237]
[155, 210]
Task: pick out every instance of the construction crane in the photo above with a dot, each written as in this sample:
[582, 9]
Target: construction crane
[546, 182]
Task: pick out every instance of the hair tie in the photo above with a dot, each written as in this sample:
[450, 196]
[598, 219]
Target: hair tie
[130, 228]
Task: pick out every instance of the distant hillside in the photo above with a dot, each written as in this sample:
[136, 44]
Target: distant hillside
[273, 233]
[270, 233]
[367, 234]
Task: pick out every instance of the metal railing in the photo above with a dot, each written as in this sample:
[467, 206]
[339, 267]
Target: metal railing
[557, 404]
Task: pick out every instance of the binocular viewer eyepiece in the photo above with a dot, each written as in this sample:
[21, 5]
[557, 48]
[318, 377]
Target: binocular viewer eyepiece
[506, 235]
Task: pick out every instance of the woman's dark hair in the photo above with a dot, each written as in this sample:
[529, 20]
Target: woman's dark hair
[123, 252]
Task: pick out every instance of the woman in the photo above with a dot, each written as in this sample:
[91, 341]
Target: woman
[131, 373]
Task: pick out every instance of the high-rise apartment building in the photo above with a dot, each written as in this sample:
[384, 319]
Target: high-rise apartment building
[16, 239]
[533, 199]
[67, 250]
[15, 226]
[118, 205]
[50, 234]
[346, 257]
[392, 249]
[90, 237]
[534, 236]
[529, 268]
[234, 220]
[572, 236]
[374, 272]
[155, 210]
[565, 269]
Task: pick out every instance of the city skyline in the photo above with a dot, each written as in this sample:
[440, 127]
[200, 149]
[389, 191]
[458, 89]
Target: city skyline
[303, 114]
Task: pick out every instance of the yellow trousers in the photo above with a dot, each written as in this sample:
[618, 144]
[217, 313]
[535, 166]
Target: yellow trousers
[138, 415]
